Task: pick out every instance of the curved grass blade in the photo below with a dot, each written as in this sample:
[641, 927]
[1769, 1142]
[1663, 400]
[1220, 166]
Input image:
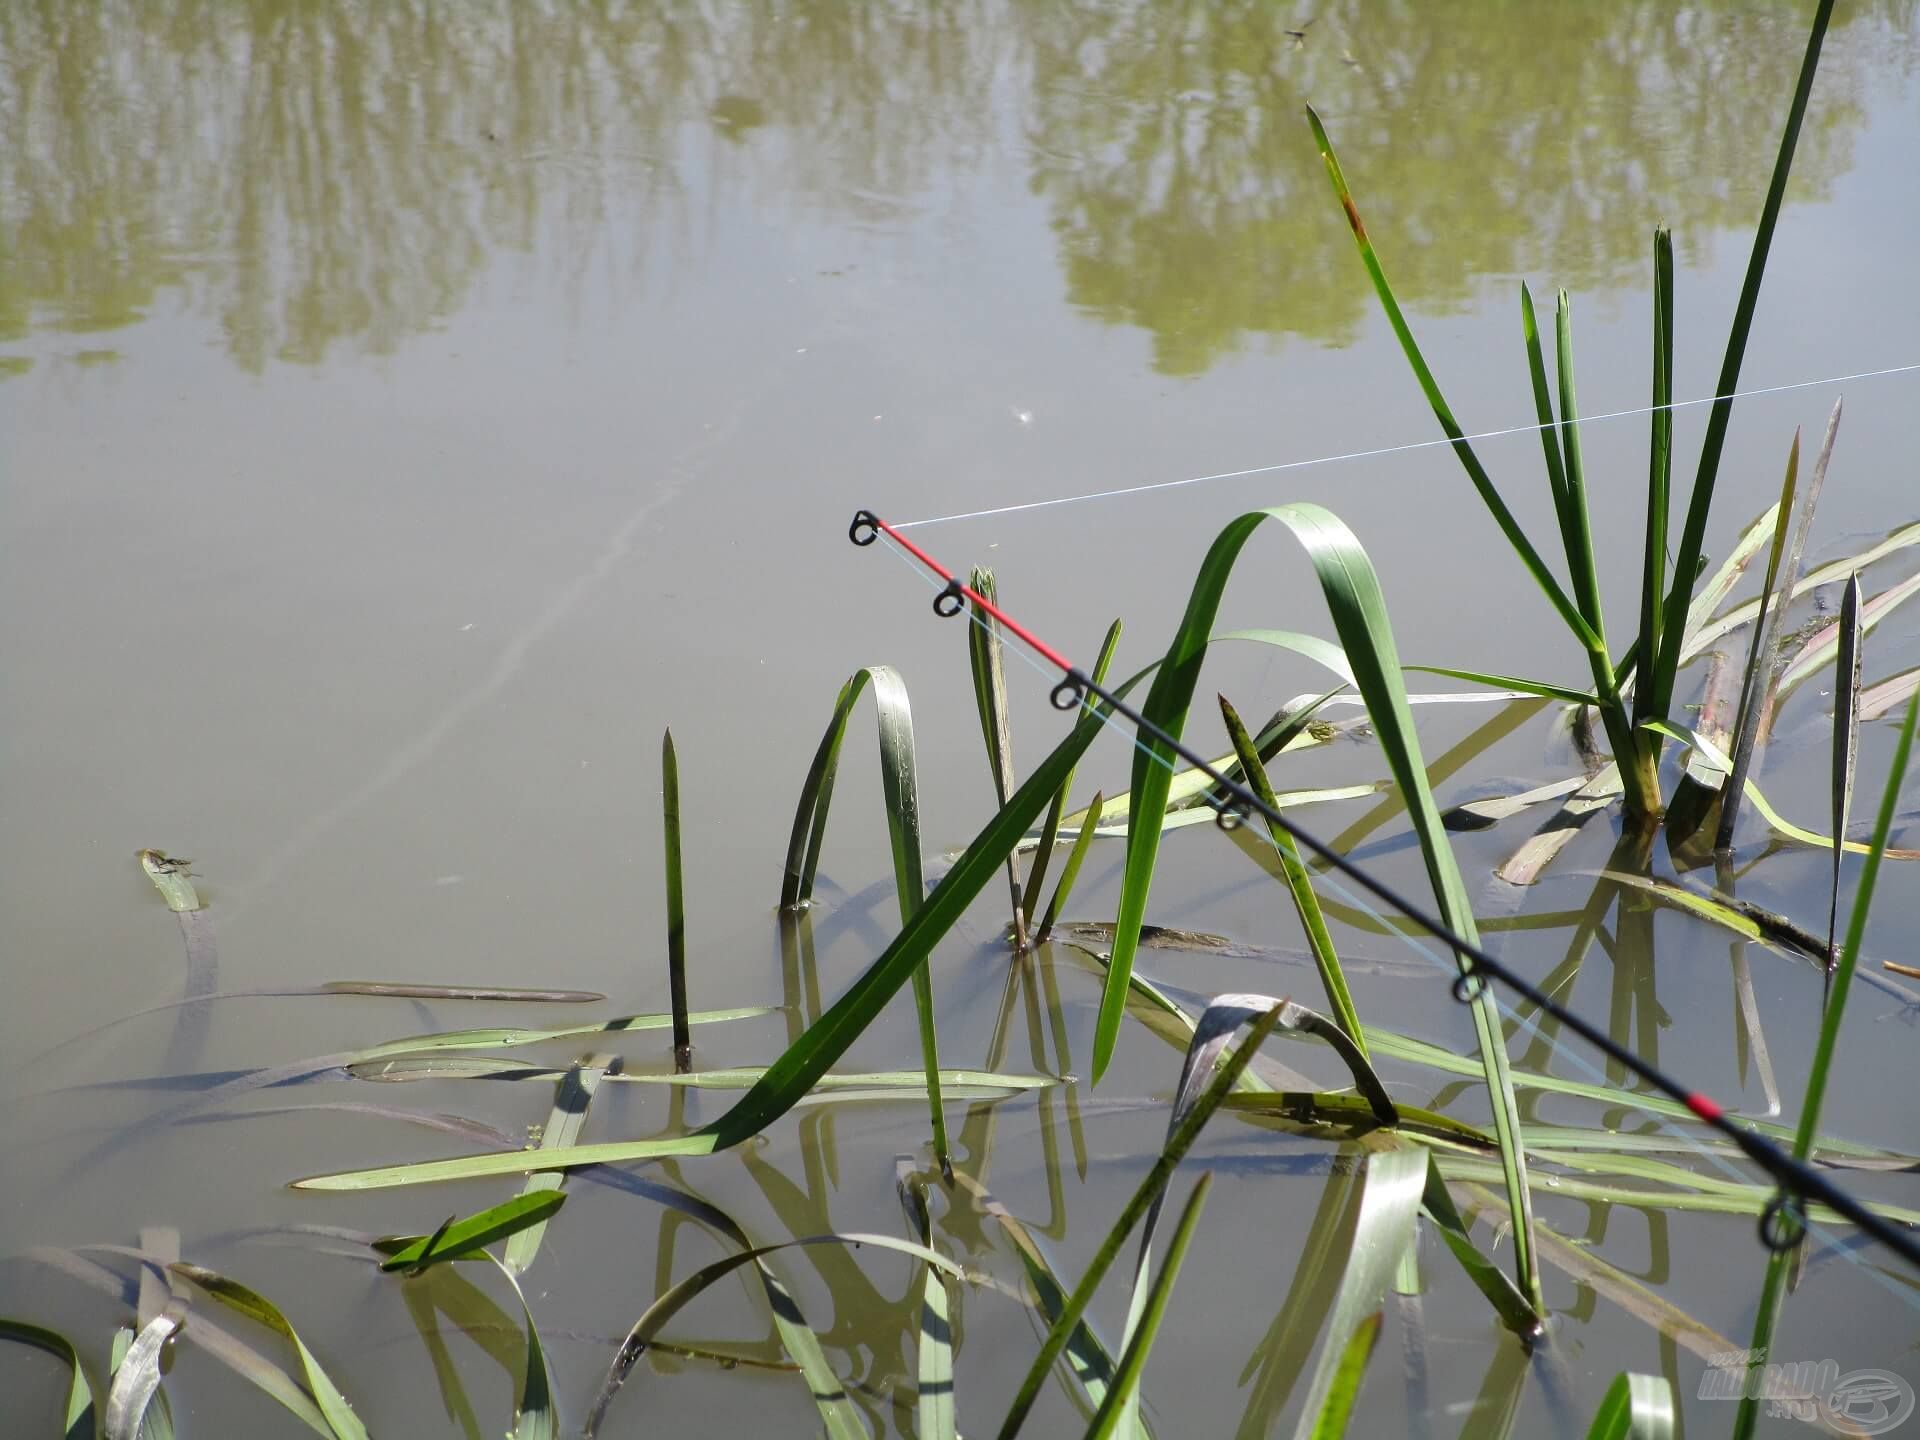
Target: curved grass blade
[173, 879]
[136, 1408]
[1050, 827]
[466, 1239]
[1636, 1407]
[901, 791]
[676, 905]
[1082, 843]
[1390, 1195]
[534, 1416]
[1352, 592]
[1846, 739]
[231, 1293]
[800, 1067]
[1125, 1389]
[1145, 1197]
[1663, 668]
[1325, 958]
[1337, 1410]
[836, 1410]
[1470, 462]
[79, 1421]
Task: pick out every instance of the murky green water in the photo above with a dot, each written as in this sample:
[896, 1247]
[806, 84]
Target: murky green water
[408, 410]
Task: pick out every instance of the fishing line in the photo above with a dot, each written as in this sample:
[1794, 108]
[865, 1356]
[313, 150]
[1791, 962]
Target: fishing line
[1782, 1222]
[1523, 1025]
[1402, 449]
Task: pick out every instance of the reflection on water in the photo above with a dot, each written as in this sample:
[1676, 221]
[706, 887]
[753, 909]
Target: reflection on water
[308, 174]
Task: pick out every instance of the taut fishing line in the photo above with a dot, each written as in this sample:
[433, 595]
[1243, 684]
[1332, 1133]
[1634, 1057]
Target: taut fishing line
[1401, 449]
[1783, 1220]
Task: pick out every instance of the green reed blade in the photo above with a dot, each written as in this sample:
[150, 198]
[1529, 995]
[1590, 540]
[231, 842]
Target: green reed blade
[1359, 612]
[1145, 1197]
[1773, 1289]
[1653, 571]
[1107, 1420]
[1050, 827]
[1636, 1407]
[79, 1421]
[1437, 1203]
[933, 1400]
[1545, 688]
[901, 792]
[256, 1307]
[1664, 667]
[1543, 414]
[1064, 890]
[1846, 739]
[1336, 1411]
[1470, 462]
[534, 1416]
[1389, 1197]
[676, 906]
[986, 661]
[465, 1239]
[1299, 884]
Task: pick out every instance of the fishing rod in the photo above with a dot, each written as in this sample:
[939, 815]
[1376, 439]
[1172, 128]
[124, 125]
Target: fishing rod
[1233, 804]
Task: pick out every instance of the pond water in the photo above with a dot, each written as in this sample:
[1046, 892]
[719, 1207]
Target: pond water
[410, 410]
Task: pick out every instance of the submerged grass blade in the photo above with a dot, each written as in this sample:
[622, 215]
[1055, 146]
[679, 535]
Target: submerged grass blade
[534, 1416]
[676, 907]
[934, 1399]
[1126, 1385]
[837, 1411]
[1299, 884]
[1144, 1198]
[800, 1067]
[1846, 740]
[1353, 596]
[564, 1123]
[79, 1420]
